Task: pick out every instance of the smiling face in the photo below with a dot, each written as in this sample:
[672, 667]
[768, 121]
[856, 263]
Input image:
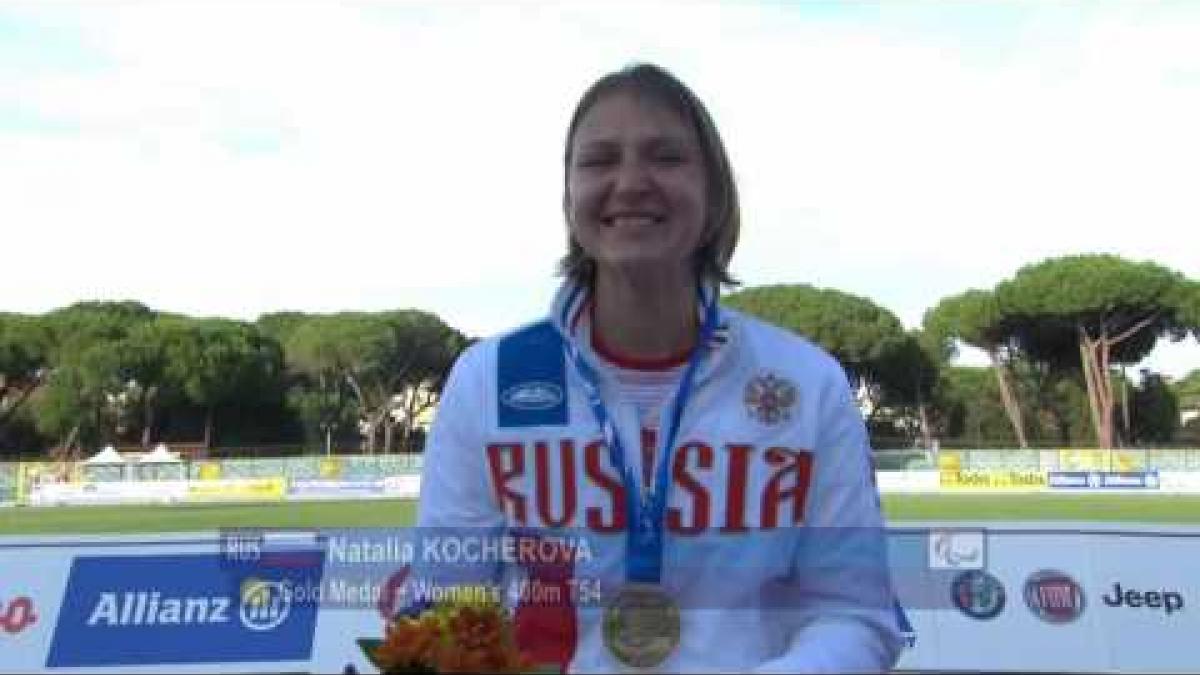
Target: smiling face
[636, 185]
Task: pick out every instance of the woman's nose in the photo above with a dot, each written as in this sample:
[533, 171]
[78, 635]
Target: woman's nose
[632, 177]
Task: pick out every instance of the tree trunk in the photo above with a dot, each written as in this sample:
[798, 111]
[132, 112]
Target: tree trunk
[372, 430]
[208, 427]
[926, 432]
[1088, 364]
[64, 448]
[1011, 405]
[148, 420]
[328, 439]
[1052, 406]
[1107, 404]
[23, 394]
[1094, 356]
[1061, 424]
[1127, 435]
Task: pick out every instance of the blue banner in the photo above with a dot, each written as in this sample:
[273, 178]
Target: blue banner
[188, 608]
[1101, 480]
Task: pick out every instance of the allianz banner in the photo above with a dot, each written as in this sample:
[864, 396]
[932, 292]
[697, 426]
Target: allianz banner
[134, 610]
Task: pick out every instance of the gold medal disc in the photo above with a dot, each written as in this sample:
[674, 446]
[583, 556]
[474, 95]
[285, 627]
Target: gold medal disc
[641, 625]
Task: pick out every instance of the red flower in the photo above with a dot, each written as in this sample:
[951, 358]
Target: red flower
[544, 622]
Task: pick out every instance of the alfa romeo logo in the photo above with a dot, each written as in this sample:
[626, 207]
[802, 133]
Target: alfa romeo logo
[978, 594]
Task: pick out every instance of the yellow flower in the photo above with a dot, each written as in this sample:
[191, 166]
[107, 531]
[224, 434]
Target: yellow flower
[469, 632]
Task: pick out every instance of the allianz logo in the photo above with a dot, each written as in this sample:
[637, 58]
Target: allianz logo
[532, 396]
[262, 606]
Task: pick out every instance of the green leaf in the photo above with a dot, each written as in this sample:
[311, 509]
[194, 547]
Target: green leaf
[368, 647]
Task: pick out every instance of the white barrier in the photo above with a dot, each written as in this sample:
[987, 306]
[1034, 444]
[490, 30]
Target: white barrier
[1063, 600]
[224, 489]
[980, 597]
[403, 487]
[1179, 482]
[30, 594]
[108, 492]
[906, 482]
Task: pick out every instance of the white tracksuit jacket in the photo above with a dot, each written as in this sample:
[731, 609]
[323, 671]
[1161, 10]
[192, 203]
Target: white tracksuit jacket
[774, 546]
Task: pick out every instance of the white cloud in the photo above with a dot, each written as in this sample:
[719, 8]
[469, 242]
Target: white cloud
[237, 158]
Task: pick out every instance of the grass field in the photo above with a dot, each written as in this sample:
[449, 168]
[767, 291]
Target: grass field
[898, 508]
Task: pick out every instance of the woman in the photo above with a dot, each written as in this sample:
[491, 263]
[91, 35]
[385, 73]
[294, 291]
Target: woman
[717, 465]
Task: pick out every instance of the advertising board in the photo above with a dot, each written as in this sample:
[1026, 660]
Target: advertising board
[236, 489]
[1061, 597]
[1030, 481]
[1103, 480]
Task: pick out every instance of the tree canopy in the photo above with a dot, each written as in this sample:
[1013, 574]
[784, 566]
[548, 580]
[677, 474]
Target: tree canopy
[100, 372]
[860, 334]
[389, 364]
[1090, 312]
[24, 349]
[1059, 334]
[887, 364]
[975, 317]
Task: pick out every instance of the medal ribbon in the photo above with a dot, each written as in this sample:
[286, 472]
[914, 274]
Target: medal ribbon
[645, 508]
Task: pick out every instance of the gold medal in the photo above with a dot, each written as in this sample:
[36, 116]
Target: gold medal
[641, 625]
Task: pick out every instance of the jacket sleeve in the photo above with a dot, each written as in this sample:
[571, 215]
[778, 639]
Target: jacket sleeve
[456, 498]
[840, 605]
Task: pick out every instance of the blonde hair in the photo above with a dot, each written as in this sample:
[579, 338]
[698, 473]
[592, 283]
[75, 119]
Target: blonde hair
[722, 215]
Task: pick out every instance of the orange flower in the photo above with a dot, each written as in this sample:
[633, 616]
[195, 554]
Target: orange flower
[409, 643]
[460, 635]
[479, 642]
[475, 628]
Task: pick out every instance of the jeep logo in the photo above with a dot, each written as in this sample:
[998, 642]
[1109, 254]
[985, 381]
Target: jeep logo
[532, 396]
[1168, 601]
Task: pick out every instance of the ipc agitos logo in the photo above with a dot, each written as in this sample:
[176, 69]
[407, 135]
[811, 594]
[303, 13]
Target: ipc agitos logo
[17, 614]
[1053, 596]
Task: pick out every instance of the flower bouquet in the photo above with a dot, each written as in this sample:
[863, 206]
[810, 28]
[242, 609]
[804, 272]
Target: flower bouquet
[467, 632]
[469, 629]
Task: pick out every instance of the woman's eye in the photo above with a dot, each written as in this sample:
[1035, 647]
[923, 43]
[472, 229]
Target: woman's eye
[592, 161]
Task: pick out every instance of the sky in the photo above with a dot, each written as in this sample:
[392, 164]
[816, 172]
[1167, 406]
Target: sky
[231, 159]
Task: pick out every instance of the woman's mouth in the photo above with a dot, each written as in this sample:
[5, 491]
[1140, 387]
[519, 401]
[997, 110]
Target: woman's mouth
[632, 220]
